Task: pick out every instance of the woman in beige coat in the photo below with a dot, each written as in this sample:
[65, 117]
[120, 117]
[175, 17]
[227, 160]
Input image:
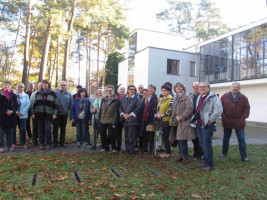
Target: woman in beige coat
[182, 112]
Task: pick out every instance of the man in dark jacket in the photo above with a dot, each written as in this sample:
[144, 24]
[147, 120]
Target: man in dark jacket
[8, 109]
[108, 118]
[236, 109]
[130, 111]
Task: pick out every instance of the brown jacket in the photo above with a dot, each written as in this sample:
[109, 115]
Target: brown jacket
[234, 114]
[183, 107]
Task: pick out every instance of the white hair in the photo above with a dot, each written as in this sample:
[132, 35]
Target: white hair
[236, 83]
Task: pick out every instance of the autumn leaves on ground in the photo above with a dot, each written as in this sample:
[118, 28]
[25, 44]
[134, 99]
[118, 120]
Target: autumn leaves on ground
[117, 176]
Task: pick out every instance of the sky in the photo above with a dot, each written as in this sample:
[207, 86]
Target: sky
[235, 13]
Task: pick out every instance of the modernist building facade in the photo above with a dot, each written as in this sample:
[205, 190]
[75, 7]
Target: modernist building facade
[239, 55]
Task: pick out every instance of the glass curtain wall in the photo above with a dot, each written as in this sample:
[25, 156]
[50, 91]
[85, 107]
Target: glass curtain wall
[238, 57]
[131, 58]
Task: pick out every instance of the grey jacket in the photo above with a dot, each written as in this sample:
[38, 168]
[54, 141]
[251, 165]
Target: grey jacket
[65, 102]
[131, 107]
[211, 108]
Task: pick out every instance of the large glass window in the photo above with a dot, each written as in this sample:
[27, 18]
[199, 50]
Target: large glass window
[240, 56]
[173, 67]
[131, 58]
[192, 69]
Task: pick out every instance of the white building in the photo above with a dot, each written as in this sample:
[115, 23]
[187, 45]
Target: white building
[156, 58]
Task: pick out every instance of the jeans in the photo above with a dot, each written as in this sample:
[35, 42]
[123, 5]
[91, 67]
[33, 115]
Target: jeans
[22, 131]
[44, 131]
[131, 134]
[81, 130]
[165, 138]
[105, 138]
[205, 140]
[9, 136]
[183, 149]
[241, 141]
[60, 122]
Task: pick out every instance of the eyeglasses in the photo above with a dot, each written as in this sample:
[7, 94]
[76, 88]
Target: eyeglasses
[130, 89]
[200, 87]
[109, 90]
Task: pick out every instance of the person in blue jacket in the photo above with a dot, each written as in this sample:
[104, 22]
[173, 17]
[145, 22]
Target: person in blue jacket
[82, 116]
[22, 113]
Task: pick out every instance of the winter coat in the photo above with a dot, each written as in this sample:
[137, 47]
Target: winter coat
[5, 104]
[211, 108]
[183, 107]
[165, 107]
[75, 110]
[45, 105]
[109, 113]
[24, 105]
[234, 114]
[131, 106]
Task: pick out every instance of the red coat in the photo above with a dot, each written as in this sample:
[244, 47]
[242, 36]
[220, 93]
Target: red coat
[234, 114]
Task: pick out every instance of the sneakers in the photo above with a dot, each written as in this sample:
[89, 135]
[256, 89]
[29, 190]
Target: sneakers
[114, 151]
[25, 146]
[2, 150]
[222, 155]
[245, 159]
[84, 144]
[102, 150]
[12, 149]
[205, 169]
[77, 145]
[13, 146]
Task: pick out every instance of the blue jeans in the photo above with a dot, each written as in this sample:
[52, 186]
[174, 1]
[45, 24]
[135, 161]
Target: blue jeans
[22, 131]
[241, 141]
[9, 137]
[81, 130]
[205, 140]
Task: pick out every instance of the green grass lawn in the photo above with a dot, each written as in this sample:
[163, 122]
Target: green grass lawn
[231, 179]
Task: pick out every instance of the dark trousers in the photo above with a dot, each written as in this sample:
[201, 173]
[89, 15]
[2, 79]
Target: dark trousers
[14, 135]
[105, 137]
[22, 131]
[44, 131]
[197, 148]
[9, 136]
[60, 122]
[96, 133]
[131, 134]
[35, 131]
[28, 126]
[165, 138]
[241, 141]
[119, 136]
[205, 140]
[183, 149]
[148, 138]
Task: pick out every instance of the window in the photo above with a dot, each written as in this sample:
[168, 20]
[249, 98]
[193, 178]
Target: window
[173, 67]
[192, 69]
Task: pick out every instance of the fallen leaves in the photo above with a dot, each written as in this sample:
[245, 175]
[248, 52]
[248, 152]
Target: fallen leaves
[196, 196]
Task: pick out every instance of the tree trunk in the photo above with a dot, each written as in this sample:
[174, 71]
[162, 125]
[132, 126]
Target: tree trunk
[14, 47]
[30, 61]
[67, 42]
[98, 49]
[45, 51]
[56, 85]
[26, 47]
[54, 64]
[50, 63]
[79, 55]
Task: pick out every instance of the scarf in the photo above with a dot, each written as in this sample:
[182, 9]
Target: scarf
[45, 93]
[20, 95]
[8, 94]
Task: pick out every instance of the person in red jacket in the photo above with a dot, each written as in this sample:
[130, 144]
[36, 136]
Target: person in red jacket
[236, 109]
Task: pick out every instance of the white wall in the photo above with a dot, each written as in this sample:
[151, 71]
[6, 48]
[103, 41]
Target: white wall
[158, 68]
[147, 38]
[141, 68]
[123, 72]
[257, 97]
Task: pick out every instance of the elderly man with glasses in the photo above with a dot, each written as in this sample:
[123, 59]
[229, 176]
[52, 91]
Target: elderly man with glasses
[65, 102]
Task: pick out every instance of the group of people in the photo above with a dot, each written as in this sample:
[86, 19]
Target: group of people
[176, 116]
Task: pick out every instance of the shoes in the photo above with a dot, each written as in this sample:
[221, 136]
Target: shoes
[193, 155]
[165, 155]
[102, 150]
[114, 151]
[55, 145]
[205, 169]
[201, 157]
[77, 145]
[42, 147]
[245, 159]
[185, 162]
[25, 146]
[63, 145]
[179, 159]
[48, 147]
[201, 165]
[222, 155]
[84, 145]
[2, 150]
[12, 149]
[13, 146]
